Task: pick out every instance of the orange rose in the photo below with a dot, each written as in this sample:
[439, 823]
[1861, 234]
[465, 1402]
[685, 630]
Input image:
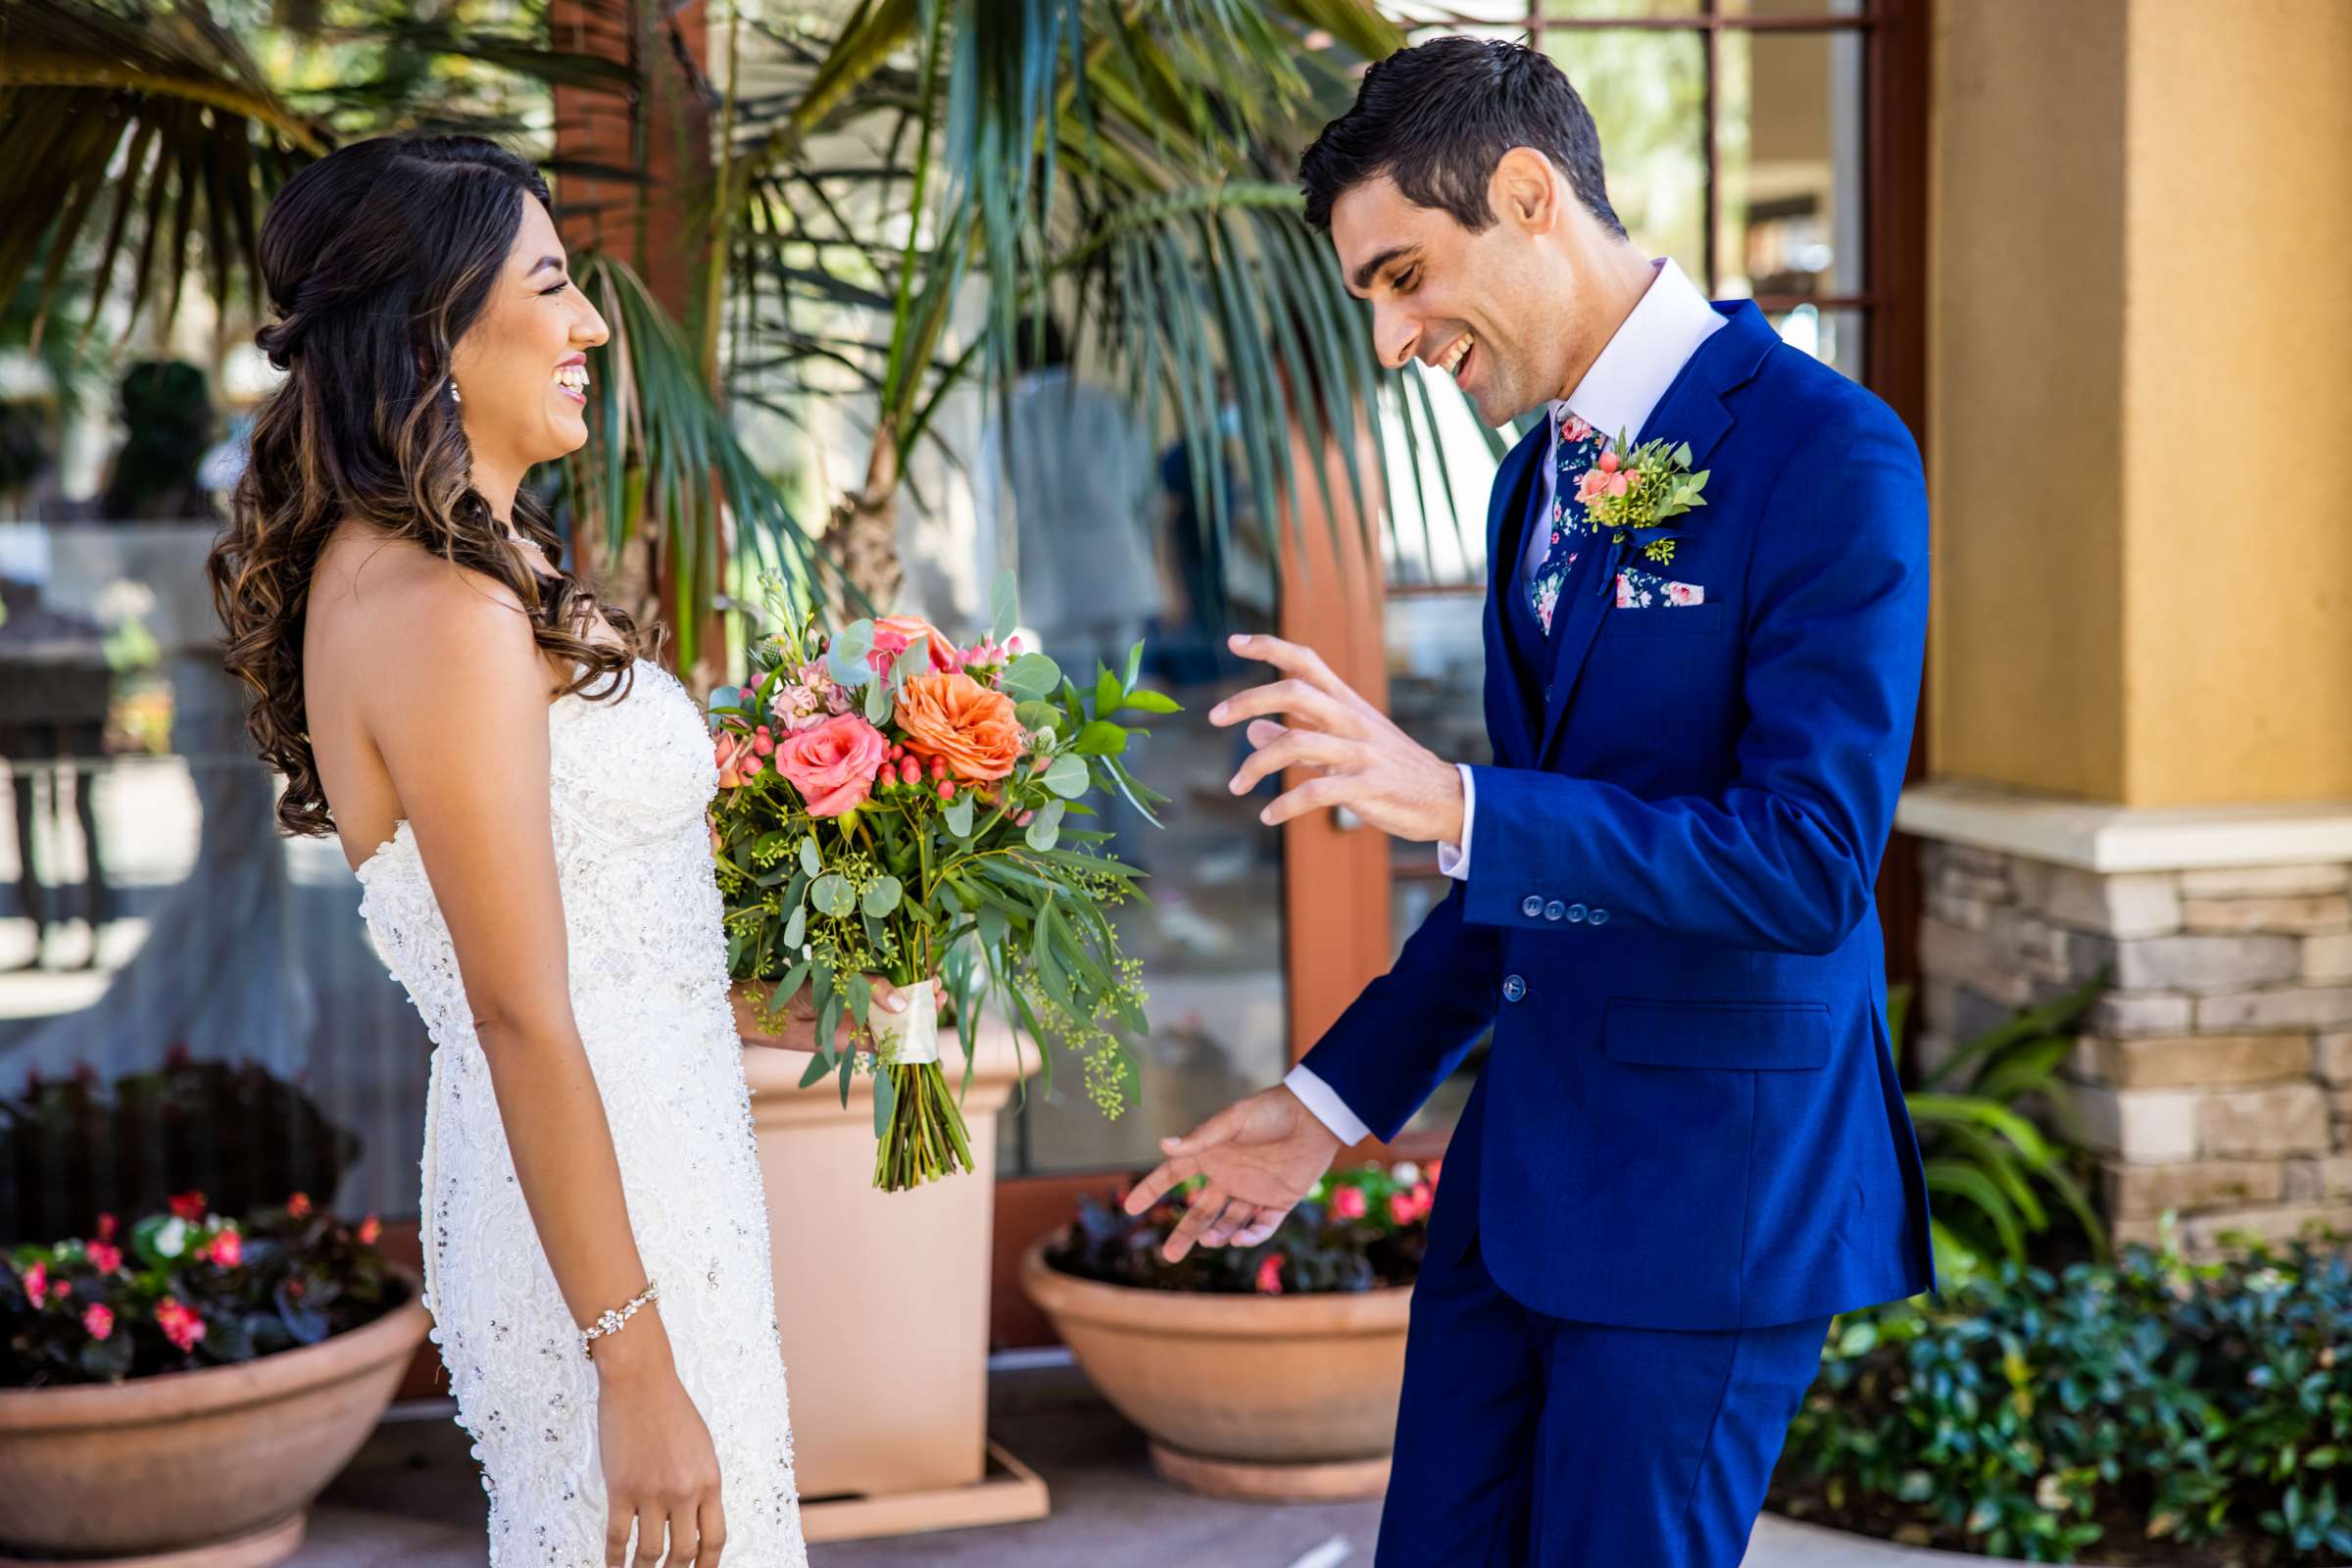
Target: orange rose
[955, 718]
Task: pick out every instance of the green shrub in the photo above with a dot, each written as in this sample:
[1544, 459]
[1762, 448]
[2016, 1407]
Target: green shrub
[2031, 1414]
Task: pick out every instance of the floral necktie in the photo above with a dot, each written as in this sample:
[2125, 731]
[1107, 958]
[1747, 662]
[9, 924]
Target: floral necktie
[1575, 446]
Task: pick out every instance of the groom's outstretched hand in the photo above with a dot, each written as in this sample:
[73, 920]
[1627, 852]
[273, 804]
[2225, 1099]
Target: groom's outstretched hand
[1260, 1156]
[1351, 752]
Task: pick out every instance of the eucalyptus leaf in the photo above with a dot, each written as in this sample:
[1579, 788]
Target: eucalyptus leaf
[958, 815]
[882, 894]
[1045, 827]
[809, 862]
[1032, 675]
[1066, 778]
[818, 1067]
[877, 704]
[1004, 606]
[886, 1100]
[832, 895]
[796, 926]
[845, 660]
[1034, 714]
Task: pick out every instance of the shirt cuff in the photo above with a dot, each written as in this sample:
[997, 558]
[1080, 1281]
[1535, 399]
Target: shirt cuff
[1332, 1112]
[1453, 860]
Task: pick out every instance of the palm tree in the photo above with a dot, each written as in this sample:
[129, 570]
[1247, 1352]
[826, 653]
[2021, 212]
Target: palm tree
[1125, 162]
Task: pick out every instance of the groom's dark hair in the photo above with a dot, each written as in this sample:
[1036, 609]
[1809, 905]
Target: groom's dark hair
[1437, 117]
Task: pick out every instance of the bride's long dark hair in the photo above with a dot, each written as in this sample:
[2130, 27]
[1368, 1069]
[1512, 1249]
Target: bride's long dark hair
[376, 258]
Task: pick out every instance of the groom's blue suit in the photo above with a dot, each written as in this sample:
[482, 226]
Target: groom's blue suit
[1688, 1146]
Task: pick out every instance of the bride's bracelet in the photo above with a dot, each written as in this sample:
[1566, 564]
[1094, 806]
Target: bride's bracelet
[613, 1317]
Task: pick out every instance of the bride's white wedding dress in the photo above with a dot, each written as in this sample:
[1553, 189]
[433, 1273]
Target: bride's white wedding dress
[631, 780]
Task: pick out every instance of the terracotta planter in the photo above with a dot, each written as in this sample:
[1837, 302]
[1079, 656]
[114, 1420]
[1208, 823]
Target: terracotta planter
[216, 1464]
[900, 1421]
[1270, 1397]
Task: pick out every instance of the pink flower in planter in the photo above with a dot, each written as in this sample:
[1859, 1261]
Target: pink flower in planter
[227, 1249]
[106, 1258]
[99, 1319]
[188, 1205]
[106, 1227]
[1348, 1202]
[36, 1283]
[369, 1229]
[1269, 1275]
[298, 1207]
[1401, 1208]
[182, 1326]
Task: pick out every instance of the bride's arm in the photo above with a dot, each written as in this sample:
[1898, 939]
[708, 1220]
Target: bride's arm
[459, 713]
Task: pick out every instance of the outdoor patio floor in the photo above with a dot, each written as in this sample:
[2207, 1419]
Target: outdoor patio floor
[412, 1499]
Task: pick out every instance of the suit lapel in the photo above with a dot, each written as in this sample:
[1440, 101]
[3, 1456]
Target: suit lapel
[1510, 728]
[1693, 411]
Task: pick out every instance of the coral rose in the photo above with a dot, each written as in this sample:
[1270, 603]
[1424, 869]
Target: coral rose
[833, 765]
[955, 719]
[907, 628]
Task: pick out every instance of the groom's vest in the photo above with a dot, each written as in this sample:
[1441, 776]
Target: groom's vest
[1689, 1116]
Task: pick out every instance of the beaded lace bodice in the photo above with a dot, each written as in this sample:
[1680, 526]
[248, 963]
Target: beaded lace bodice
[630, 779]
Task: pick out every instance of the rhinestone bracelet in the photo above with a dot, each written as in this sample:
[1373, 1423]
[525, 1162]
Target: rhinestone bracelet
[613, 1317]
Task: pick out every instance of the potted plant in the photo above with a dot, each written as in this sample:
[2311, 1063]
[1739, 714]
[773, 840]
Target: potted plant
[1269, 1372]
[189, 1382]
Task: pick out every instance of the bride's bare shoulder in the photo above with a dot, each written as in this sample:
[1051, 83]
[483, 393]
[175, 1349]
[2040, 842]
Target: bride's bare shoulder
[378, 589]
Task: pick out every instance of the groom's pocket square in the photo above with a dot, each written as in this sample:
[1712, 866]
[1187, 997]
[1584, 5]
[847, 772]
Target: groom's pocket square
[1647, 590]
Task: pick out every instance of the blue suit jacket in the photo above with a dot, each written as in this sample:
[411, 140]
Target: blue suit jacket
[1689, 1117]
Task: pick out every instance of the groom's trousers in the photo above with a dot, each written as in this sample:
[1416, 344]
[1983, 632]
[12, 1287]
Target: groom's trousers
[1532, 1441]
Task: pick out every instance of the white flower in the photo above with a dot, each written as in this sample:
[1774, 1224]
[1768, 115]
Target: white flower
[1408, 1173]
[172, 1239]
[125, 600]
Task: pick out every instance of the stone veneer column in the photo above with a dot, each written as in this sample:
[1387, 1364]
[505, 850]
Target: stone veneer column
[2215, 1076]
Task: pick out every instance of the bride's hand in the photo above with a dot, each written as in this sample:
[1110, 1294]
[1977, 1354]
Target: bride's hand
[798, 1031]
[661, 1468]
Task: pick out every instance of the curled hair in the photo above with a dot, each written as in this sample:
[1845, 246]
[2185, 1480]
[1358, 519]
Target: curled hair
[377, 259]
[1437, 117]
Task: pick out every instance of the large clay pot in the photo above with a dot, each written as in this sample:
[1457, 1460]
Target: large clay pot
[903, 1413]
[216, 1464]
[1265, 1396]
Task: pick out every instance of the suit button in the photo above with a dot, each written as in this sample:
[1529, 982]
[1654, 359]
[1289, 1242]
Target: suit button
[1513, 987]
[1555, 909]
[1532, 905]
[1600, 916]
[1548, 694]
[1576, 912]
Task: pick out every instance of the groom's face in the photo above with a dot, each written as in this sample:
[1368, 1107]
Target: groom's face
[1473, 305]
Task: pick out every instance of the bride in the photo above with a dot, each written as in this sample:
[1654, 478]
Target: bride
[535, 871]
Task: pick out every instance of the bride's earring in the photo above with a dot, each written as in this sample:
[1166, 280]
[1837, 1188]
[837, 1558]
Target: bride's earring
[453, 392]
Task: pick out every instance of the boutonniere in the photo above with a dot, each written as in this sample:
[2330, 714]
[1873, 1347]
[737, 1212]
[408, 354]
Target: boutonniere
[1632, 494]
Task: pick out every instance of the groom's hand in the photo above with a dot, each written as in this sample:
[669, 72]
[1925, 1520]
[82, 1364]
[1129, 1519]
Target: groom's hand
[1357, 757]
[1260, 1156]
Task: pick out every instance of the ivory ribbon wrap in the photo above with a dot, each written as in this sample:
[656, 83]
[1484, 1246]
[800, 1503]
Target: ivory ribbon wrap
[919, 1027]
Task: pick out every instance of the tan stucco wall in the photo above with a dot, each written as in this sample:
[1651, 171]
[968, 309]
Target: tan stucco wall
[2238, 554]
[2142, 447]
[2025, 346]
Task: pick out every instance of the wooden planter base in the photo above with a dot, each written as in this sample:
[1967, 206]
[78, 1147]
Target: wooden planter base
[1007, 1493]
[264, 1548]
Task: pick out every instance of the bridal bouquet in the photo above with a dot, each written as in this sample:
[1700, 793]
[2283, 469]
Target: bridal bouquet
[892, 804]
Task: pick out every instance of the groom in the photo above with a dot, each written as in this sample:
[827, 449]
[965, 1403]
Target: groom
[1687, 1148]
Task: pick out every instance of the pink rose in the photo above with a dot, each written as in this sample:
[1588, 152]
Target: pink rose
[104, 1257]
[99, 1319]
[833, 765]
[1686, 592]
[1269, 1275]
[1590, 485]
[1607, 462]
[1575, 429]
[1348, 1202]
[1618, 483]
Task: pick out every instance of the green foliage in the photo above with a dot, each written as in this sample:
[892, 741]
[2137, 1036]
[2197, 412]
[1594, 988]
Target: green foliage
[1997, 1178]
[2025, 1412]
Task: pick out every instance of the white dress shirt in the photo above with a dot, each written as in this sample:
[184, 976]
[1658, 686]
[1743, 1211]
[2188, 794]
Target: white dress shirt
[1616, 396]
